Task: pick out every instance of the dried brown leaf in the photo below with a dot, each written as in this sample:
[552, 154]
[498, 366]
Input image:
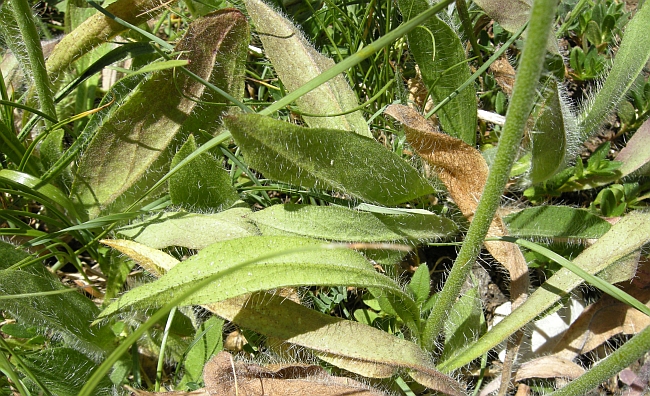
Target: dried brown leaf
[549, 367]
[504, 74]
[224, 377]
[606, 318]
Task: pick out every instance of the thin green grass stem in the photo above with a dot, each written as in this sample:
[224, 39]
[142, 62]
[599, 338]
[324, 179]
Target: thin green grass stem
[8, 370]
[356, 58]
[463, 13]
[479, 72]
[523, 98]
[163, 344]
[28, 373]
[623, 357]
[25, 21]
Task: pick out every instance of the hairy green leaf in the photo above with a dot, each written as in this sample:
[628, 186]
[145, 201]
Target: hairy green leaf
[636, 152]
[553, 136]
[337, 223]
[313, 266]
[314, 157]
[132, 138]
[203, 186]
[207, 343]
[556, 222]
[190, 230]
[441, 57]
[296, 62]
[630, 59]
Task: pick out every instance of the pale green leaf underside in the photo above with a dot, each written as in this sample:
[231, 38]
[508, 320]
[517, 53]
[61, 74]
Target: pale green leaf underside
[556, 222]
[190, 230]
[314, 267]
[625, 237]
[326, 158]
[337, 223]
[296, 62]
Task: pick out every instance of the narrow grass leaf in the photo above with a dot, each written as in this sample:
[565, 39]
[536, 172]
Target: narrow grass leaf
[204, 186]
[336, 223]
[190, 230]
[630, 59]
[625, 237]
[327, 158]
[135, 136]
[557, 223]
[296, 62]
[442, 61]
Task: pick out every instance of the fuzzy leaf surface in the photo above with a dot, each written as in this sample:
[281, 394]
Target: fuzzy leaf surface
[337, 223]
[296, 62]
[442, 61]
[330, 158]
[203, 186]
[636, 152]
[190, 230]
[631, 57]
[133, 138]
[311, 267]
[552, 135]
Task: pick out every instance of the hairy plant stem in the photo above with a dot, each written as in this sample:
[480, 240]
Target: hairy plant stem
[623, 357]
[25, 21]
[523, 98]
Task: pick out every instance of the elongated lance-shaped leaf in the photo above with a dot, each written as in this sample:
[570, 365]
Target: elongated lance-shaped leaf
[554, 136]
[630, 59]
[326, 158]
[337, 223]
[190, 230]
[133, 138]
[286, 320]
[315, 267]
[626, 236]
[441, 57]
[98, 29]
[296, 62]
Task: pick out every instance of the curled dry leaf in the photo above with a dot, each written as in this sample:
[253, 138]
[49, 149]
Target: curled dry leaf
[504, 74]
[464, 172]
[607, 318]
[224, 376]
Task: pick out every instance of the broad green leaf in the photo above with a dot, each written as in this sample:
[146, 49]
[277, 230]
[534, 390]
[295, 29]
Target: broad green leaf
[190, 230]
[338, 223]
[284, 319]
[307, 263]
[556, 222]
[203, 186]
[553, 136]
[442, 61]
[207, 343]
[296, 62]
[327, 158]
[96, 30]
[636, 152]
[630, 59]
[625, 237]
[65, 315]
[130, 141]
[64, 371]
